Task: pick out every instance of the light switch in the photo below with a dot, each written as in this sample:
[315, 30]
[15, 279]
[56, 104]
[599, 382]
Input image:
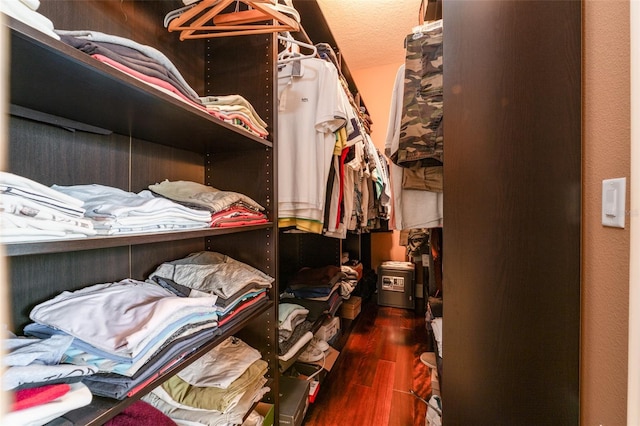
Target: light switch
[613, 202]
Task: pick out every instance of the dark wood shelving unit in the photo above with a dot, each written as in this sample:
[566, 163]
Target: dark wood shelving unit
[75, 120]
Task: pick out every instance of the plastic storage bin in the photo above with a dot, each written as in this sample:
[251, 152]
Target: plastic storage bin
[396, 284]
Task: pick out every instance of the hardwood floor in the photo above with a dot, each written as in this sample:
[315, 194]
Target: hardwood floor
[378, 366]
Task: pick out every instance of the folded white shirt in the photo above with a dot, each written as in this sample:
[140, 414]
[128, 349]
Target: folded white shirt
[117, 317]
[19, 10]
[107, 201]
[42, 194]
[20, 222]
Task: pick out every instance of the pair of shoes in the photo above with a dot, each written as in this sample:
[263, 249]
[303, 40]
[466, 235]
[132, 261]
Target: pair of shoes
[311, 354]
[428, 359]
[434, 411]
[320, 344]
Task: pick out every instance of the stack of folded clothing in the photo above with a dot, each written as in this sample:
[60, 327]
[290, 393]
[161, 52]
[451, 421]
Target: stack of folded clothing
[129, 331]
[295, 323]
[236, 110]
[152, 67]
[217, 389]
[43, 388]
[317, 309]
[289, 317]
[227, 208]
[316, 283]
[350, 281]
[318, 292]
[38, 406]
[294, 330]
[142, 62]
[325, 284]
[26, 11]
[32, 211]
[236, 286]
[114, 211]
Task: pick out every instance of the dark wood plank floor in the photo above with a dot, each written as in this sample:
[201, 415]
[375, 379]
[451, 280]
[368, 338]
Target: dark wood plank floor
[378, 365]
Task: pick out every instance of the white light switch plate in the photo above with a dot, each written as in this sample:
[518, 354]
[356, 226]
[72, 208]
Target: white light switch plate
[613, 202]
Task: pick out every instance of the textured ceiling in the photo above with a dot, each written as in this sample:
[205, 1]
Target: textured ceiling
[370, 33]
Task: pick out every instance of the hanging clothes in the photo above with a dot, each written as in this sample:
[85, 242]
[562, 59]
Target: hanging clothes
[421, 134]
[310, 111]
[411, 208]
[331, 178]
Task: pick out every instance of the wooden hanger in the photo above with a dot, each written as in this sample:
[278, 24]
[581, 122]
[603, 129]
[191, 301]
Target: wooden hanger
[193, 22]
[424, 14]
[424, 9]
[431, 24]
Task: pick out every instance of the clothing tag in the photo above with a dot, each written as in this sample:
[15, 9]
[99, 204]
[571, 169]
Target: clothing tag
[296, 69]
[282, 102]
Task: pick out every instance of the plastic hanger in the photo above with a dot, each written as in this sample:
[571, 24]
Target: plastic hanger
[286, 6]
[196, 22]
[289, 55]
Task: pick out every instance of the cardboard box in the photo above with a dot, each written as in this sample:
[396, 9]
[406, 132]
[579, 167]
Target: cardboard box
[307, 370]
[294, 401]
[329, 359]
[266, 411]
[351, 307]
[334, 341]
[318, 369]
[328, 329]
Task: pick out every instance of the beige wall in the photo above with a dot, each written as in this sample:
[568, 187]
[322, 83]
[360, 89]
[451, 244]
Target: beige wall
[606, 153]
[633, 395]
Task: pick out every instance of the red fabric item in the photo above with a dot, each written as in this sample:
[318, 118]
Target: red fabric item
[149, 79]
[237, 216]
[343, 158]
[26, 398]
[242, 307]
[141, 413]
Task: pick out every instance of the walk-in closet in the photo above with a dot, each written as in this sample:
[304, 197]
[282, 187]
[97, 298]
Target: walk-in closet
[312, 212]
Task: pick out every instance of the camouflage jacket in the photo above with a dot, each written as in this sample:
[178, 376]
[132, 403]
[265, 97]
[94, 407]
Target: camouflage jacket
[421, 134]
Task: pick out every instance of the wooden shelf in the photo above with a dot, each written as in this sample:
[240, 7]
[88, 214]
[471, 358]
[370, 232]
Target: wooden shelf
[69, 245]
[53, 78]
[102, 409]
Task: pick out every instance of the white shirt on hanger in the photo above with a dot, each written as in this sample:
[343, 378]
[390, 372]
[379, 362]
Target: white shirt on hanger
[412, 208]
[310, 111]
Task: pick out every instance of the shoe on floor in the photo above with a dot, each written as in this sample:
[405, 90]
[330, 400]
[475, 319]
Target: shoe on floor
[434, 411]
[320, 344]
[311, 354]
[428, 359]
